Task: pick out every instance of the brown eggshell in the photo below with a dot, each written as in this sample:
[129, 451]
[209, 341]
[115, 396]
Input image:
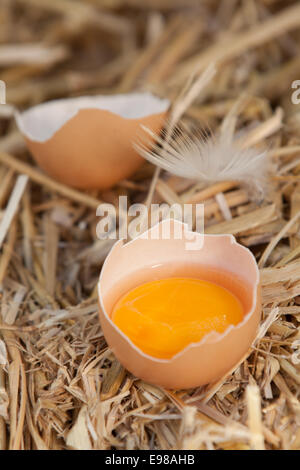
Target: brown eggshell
[94, 148]
[215, 354]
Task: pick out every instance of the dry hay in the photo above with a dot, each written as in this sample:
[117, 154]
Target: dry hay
[60, 386]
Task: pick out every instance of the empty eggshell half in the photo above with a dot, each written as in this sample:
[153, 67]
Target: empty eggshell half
[87, 142]
[132, 264]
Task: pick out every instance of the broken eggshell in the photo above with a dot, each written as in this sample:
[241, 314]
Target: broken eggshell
[87, 142]
[129, 265]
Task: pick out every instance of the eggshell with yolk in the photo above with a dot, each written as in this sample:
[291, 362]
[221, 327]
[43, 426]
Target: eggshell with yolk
[88, 142]
[216, 354]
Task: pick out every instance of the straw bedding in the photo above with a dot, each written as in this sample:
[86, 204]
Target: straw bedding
[60, 385]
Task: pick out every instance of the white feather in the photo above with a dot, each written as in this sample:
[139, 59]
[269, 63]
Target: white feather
[203, 158]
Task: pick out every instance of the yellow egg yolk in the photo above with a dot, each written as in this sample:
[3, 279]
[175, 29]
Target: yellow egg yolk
[162, 317]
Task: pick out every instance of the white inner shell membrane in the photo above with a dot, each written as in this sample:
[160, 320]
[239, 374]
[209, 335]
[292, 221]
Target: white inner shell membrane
[42, 121]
